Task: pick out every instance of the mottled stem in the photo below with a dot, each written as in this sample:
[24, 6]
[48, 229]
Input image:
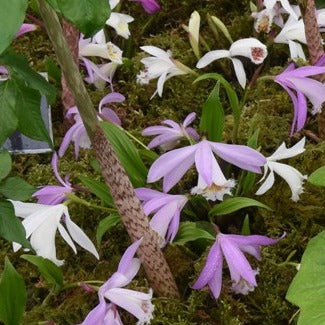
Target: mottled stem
[72, 36]
[315, 47]
[127, 204]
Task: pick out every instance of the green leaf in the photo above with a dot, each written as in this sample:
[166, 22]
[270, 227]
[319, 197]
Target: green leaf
[190, 231]
[235, 204]
[320, 4]
[8, 120]
[99, 189]
[53, 71]
[53, 4]
[126, 153]
[11, 227]
[231, 94]
[106, 224]
[213, 116]
[18, 65]
[318, 177]
[12, 15]
[245, 230]
[20, 109]
[5, 164]
[307, 289]
[89, 16]
[12, 295]
[15, 188]
[50, 271]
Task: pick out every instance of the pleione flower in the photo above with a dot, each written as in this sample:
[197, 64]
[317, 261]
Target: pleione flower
[166, 210]
[251, 48]
[111, 294]
[150, 6]
[269, 4]
[106, 51]
[120, 22]
[172, 165]
[300, 88]
[26, 28]
[232, 248]
[41, 223]
[169, 134]
[160, 65]
[54, 194]
[291, 175]
[194, 32]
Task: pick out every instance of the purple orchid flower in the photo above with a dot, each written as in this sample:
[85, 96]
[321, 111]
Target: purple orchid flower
[150, 6]
[232, 248]
[172, 165]
[168, 136]
[166, 208]
[137, 303]
[26, 28]
[298, 86]
[54, 194]
[77, 132]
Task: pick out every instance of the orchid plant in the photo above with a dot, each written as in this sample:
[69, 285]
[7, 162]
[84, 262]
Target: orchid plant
[182, 166]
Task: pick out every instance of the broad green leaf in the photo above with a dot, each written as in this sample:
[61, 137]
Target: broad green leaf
[234, 204]
[99, 189]
[126, 153]
[28, 112]
[10, 226]
[5, 164]
[231, 94]
[12, 295]
[307, 289]
[15, 188]
[12, 15]
[89, 16]
[105, 225]
[8, 120]
[50, 271]
[18, 65]
[213, 116]
[318, 177]
[20, 108]
[190, 231]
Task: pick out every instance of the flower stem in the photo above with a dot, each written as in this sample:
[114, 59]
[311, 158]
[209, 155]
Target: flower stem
[265, 78]
[76, 199]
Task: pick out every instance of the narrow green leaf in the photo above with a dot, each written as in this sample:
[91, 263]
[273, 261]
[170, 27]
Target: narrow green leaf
[245, 230]
[19, 66]
[11, 227]
[213, 116]
[8, 120]
[53, 71]
[12, 295]
[307, 289]
[5, 164]
[99, 189]
[234, 204]
[126, 153]
[53, 4]
[12, 15]
[50, 271]
[105, 225]
[190, 231]
[317, 178]
[89, 16]
[15, 188]
[231, 94]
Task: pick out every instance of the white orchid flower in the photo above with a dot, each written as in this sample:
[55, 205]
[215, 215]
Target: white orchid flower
[269, 4]
[113, 3]
[104, 50]
[120, 22]
[41, 223]
[291, 175]
[160, 65]
[251, 48]
[194, 32]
